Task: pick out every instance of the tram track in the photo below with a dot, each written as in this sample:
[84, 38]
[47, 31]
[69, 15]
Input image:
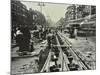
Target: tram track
[67, 59]
[79, 59]
[60, 60]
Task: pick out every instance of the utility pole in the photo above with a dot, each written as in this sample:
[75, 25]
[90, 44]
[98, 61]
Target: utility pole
[90, 11]
[87, 21]
[89, 18]
[74, 13]
[41, 4]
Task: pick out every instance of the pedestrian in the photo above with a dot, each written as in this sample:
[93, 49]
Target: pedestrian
[55, 59]
[31, 47]
[26, 38]
[44, 34]
[75, 33]
[19, 39]
[49, 39]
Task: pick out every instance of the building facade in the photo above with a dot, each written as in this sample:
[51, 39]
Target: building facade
[19, 13]
[79, 11]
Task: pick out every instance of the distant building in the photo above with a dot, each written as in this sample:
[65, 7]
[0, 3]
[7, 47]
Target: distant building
[69, 15]
[18, 13]
[83, 15]
[79, 11]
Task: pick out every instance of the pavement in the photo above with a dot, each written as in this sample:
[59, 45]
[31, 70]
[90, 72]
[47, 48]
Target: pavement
[27, 64]
[86, 48]
[37, 48]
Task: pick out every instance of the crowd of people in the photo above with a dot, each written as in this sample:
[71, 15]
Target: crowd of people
[23, 37]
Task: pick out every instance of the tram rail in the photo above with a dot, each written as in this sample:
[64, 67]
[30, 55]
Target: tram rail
[65, 57]
[81, 62]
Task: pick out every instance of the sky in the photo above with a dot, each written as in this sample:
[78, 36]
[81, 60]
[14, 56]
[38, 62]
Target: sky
[54, 11]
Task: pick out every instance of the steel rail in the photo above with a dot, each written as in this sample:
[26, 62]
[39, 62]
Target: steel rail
[46, 63]
[63, 58]
[80, 61]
